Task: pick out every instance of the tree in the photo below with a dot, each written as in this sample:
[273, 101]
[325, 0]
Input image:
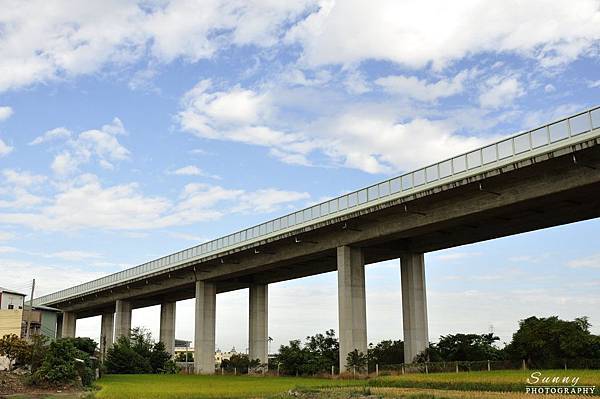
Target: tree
[239, 362]
[356, 360]
[548, 342]
[184, 357]
[321, 352]
[84, 344]
[12, 347]
[34, 352]
[161, 360]
[468, 347]
[122, 358]
[138, 354]
[387, 352]
[63, 364]
[292, 358]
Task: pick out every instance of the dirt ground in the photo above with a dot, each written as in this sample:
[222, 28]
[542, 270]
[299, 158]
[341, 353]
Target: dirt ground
[13, 386]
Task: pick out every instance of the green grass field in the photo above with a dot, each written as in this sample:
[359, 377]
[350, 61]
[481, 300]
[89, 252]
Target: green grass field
[505, 380]
[473, 384]
[190, 386]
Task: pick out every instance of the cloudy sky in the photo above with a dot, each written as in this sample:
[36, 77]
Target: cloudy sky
[129, 130]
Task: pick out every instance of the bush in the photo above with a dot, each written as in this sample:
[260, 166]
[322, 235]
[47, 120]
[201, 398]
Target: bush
[356, 360]
[34, 352]
[84, 344]
[13, 348]
[121, 358]
[64, 364]
[139, 355]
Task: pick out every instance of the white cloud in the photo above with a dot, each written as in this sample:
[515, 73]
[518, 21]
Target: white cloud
[356, 83]
[268, 200]
[64, 164]
[5, 149]
[14, 193]
[22, 178]
[594, 84]
[49, 278]
[192, 170]
[73, 255]
[457, 255]
[58, 133]
[500, 92]
[8, 250]
[367, 136]
[6, 236]
[422, 90]
[238, 115]
[589, 262]
[5, 113]
[549, 88]
[188, 237]
[44, 42]
[85, 203]
[99, 144]
[409, 33]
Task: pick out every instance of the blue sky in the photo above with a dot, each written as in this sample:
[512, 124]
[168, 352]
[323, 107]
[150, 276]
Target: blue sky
[132, 129]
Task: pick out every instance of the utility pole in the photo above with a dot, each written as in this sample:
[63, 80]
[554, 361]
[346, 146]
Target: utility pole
[28, 329]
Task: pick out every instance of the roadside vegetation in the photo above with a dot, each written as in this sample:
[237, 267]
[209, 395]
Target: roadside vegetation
[538, 343]
[494, 384]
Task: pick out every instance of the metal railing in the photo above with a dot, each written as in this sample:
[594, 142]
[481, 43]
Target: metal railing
[558, 134]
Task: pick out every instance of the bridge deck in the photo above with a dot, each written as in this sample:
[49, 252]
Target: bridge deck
[579, 132]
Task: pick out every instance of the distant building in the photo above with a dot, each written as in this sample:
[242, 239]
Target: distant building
[11, 311]
[43, 321]
[220, 356]
[185, 346]
[11, 316]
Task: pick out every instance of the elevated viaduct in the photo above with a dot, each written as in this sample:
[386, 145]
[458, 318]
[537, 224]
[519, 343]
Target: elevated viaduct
[541, 178]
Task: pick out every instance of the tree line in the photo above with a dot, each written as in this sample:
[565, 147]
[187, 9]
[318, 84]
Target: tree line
[540, 342]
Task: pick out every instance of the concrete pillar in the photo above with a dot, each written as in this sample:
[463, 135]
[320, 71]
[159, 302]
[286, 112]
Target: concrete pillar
[122, 319]
[414, 305]
[204, 346]
[258, 329]
[351, 302]
[107, 326]
[167, 326]
[68, 325]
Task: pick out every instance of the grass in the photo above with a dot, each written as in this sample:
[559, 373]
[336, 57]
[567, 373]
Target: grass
[484, 384]
[190, 386]
[506, 380]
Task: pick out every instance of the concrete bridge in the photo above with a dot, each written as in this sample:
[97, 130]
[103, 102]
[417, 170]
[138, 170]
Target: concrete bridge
[540, 178]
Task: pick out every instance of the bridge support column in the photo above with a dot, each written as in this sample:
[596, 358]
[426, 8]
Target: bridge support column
[204, 346]
[258, 329]
[122, 318]
[414, 305]
[107, 326]
[167, 326]
[68, 325]
[351, 302]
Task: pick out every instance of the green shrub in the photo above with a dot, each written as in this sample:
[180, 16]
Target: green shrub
[64, 364]
[139, 355]
[59, 365]
[122, 358]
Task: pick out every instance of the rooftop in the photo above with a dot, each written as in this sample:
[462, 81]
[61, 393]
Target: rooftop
[2, 289]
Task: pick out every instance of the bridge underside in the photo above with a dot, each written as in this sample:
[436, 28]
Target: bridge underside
[550, 193]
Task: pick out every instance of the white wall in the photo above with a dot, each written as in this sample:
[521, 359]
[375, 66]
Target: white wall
[11, 299]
